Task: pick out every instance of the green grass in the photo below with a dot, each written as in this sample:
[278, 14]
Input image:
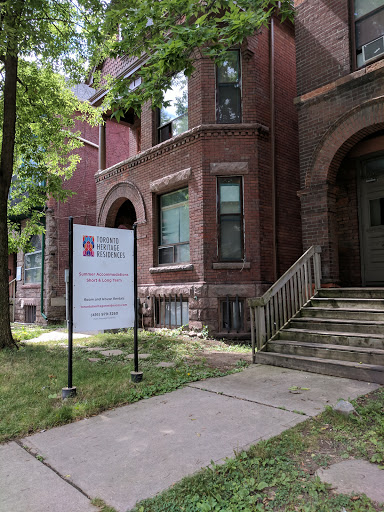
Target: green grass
[32, 377]
[278, 474]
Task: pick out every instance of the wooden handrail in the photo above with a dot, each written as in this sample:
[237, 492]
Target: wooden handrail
[284, 298]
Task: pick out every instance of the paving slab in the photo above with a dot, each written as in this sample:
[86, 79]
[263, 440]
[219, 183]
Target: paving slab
[112, 352]
[141, 356]
[136, 451]
[355, 476]
[28, 485]
[270, 386]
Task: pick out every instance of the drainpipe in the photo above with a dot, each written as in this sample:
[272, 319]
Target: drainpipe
[102, 148]
[273, 144]
[42, 273]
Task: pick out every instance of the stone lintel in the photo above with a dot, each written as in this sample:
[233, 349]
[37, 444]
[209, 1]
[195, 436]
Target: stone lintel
[171, 181]
[231, 265]
[229, 168]
[173, 268]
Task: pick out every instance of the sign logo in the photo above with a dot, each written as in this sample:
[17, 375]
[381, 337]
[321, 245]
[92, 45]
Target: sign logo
[88, 245]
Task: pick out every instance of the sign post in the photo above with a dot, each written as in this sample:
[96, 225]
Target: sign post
[136, 376]
[102, 285]
[70, 391]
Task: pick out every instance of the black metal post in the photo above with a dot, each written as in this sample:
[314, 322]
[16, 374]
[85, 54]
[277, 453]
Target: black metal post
[70, 391]
[136, 376]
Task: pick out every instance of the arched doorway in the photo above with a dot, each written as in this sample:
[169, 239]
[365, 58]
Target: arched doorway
[125, 216]
[360, 213]
[123, 205]
[343, 197]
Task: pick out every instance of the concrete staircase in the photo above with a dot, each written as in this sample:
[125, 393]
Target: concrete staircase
[338, 332]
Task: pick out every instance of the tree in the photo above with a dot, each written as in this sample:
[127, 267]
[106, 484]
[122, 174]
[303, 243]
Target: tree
[38, 38]
[173, 34]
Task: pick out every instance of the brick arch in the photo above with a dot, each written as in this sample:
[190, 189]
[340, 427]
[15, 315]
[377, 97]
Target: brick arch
[346, 132]
[115, 198]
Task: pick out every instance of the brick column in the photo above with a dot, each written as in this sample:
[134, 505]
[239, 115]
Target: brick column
[318, 212]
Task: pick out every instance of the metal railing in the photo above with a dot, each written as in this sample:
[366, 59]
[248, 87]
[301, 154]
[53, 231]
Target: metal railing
[285, 298]
[169, 311]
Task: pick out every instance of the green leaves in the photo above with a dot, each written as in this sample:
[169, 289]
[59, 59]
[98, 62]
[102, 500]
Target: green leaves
[172, 35]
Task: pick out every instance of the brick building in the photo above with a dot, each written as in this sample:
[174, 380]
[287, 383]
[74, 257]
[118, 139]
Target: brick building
[212, 184]
[340, 81]
[40, 288]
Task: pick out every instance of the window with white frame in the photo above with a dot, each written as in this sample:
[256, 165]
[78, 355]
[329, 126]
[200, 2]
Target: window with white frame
[174, 227]
[32, 262]
[228, 88]
[368, 30]
[173, 115]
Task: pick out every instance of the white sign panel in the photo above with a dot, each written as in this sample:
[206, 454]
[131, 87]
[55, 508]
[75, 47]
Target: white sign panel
[103, 273]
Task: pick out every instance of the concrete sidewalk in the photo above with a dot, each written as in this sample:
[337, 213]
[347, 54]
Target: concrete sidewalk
[136, 451]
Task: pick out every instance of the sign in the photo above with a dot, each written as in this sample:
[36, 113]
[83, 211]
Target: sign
[103, 278]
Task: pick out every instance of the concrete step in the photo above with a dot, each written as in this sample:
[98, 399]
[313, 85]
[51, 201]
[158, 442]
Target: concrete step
[363, 293]
[368, 327]
[328, 351]
[350, 339]
[343, 313]
[347, 369]
[347, 303]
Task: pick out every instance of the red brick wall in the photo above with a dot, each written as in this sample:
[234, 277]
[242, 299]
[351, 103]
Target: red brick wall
[322, 42]
[207, 143]
[337, 109]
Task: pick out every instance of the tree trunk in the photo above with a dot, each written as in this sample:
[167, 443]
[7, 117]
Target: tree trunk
[6, 170]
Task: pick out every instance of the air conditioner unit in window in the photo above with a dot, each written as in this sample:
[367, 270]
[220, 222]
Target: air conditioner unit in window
[373, 50]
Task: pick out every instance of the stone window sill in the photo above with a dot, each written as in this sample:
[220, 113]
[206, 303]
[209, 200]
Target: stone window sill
[173, 268]
[31, 285]
[231, 265]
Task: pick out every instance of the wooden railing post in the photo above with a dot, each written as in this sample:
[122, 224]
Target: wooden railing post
[262, 334]
[252, 313]
[317, 267]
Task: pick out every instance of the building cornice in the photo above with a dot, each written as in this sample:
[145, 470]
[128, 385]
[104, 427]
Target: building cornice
[353, 79]
[199, 132]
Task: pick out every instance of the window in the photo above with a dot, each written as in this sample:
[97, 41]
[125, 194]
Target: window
[171, 311]
[32, 262]
[228, 89]
[230, 216]
[173, 116]
[232, 314]
[368, 20]
[174, 227]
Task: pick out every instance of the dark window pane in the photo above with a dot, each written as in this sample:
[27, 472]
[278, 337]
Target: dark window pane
[229, 104]
[232, 315]
[165, 133]
[377, 211]
[369, 28]
[165, 255]
[230, 238]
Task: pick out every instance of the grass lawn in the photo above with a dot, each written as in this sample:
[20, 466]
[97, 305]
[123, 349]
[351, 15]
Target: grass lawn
[278, 474]
[32, 377]
[275, 475]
